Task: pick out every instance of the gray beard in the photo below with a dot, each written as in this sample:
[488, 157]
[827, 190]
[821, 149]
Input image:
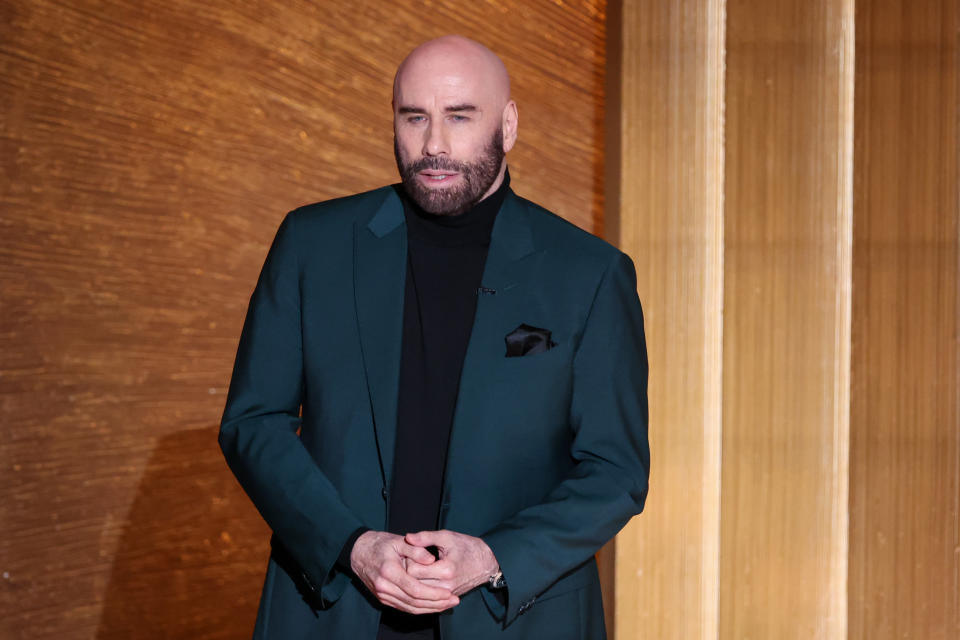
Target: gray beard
[478, 177]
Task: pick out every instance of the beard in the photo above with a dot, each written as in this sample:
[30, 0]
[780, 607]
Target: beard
[477, 176]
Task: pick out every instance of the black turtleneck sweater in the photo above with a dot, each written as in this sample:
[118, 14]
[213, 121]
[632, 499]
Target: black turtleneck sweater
[445, 260]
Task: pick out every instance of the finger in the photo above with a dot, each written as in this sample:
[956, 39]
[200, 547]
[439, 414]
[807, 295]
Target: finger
[394, 592]
[443, 584]
[417, 554]
[428, 538]
[440, 570]
[394, 580]
[386, 588]
[432, 607]
[416, 589]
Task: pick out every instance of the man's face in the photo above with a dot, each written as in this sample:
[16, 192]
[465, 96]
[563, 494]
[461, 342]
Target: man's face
[448, 136]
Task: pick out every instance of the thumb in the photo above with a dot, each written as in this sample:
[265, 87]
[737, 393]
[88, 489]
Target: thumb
[422, 538]
[418, 554]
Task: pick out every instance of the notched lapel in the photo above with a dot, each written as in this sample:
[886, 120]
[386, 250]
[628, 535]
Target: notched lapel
[512, 262]
[511, 241]
[379, 270]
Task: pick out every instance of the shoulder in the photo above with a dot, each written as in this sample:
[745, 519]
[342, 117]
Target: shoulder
[337, 212]
[564, 241]
[325, 230]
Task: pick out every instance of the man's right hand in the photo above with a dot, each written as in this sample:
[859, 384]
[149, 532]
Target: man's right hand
[379, 559]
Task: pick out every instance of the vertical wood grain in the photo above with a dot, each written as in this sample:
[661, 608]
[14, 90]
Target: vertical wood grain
[786, 319]
[670, 179]
[905, 423]
[148, 151]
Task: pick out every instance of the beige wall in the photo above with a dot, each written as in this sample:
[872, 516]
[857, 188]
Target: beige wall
[149, 150]
[800, 287]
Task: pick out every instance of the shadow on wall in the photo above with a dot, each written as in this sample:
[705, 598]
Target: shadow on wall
[191, 559]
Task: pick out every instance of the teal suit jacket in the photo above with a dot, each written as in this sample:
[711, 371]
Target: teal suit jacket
[548, 455]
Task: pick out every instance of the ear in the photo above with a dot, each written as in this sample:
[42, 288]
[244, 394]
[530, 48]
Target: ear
[509, 123]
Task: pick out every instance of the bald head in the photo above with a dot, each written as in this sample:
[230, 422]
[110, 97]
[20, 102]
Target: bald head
[455, 59]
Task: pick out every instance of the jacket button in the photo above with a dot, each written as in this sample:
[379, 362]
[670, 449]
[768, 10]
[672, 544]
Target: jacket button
[383, 493]
[526, 606]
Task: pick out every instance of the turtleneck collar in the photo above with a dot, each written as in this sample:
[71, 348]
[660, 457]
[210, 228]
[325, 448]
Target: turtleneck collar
[471, 227]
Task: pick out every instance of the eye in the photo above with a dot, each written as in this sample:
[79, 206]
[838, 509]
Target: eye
[415, 119]
[459, 118]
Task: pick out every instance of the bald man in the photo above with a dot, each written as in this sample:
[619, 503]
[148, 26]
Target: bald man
[439, 398]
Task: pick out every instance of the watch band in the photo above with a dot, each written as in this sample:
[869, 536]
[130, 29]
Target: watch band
[496, 580]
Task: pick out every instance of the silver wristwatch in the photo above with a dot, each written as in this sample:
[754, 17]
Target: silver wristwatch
[496, 581]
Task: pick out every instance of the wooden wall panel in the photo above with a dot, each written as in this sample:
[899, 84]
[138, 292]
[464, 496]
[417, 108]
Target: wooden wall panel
[840, 283]
[787, 276]
[905, 424]
[669, 205]
[148, 151]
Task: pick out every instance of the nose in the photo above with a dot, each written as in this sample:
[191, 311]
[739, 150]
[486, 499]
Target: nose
[435, 142]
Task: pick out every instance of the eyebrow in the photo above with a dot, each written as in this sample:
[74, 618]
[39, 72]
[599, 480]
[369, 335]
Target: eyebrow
[451, 109]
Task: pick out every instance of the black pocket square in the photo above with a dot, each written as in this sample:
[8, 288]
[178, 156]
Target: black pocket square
[526, 340]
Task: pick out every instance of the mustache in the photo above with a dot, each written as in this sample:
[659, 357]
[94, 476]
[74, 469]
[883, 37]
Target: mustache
[436, 163]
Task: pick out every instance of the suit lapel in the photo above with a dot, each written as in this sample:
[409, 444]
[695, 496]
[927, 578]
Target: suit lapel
[380, 260]
[511, 263]
[510, 242]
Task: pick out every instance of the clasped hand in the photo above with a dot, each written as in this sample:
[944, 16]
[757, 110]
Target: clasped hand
[401, 573]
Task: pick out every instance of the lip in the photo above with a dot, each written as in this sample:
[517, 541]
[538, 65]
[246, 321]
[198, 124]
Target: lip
[434, 177]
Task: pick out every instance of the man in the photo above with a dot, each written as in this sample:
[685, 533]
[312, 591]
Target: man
[439, 398]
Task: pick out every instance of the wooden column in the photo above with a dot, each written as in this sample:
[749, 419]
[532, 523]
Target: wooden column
[905, 425]
[668, 182]
[787, 274]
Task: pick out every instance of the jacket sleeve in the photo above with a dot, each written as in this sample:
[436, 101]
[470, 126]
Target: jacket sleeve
[608, 483]
[258, 433]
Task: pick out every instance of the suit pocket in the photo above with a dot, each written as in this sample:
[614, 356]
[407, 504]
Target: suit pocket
[543, 374]
[557, 358]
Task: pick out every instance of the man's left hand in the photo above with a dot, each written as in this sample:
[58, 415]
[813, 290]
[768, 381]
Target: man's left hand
[465, 562]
